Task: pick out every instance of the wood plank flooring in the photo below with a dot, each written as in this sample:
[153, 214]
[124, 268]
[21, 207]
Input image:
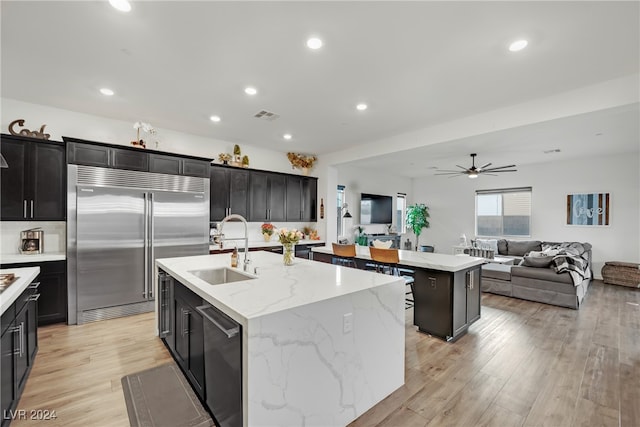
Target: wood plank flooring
[521, 364]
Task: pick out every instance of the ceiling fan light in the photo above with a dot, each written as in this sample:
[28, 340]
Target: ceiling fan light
[473, 175]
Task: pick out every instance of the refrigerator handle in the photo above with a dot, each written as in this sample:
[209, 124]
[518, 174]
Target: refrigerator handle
[152, 261]
[146, 245]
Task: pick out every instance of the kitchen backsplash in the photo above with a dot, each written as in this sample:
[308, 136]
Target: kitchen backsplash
[236, 229]
[55, 235]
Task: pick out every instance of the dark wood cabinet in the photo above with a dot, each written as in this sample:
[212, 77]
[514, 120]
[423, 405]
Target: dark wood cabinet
[173, 165]
[446, 303]
[19, 343]
[304, 250]
[309, 199]
[188, 335]
[34, 185]
[52, 304]
[294, 198]
[229, 190]
[267, 196]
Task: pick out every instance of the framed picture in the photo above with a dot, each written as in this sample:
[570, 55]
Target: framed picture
[591, 209]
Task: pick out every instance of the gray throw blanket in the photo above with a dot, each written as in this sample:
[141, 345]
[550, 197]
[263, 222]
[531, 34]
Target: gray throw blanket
[572, 258]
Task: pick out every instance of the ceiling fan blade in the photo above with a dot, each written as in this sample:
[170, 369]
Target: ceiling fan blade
[506, 170]
[461, 167]
[484, 166]
[450, 173]
[500, 167]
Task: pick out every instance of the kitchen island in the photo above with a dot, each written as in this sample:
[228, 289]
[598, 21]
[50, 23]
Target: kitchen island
[446, 289]
[320, 344]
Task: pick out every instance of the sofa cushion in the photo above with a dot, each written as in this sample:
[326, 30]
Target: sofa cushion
[537, 261]
[520, 248]
[502, 246]
[496, 271]
[543, 274]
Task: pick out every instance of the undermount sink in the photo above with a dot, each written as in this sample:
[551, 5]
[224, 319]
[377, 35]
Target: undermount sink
[219, 276]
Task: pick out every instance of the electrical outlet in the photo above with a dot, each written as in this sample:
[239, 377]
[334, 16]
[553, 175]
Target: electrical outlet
[347, 323]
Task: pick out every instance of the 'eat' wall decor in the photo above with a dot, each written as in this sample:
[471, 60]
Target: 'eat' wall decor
[588, 209]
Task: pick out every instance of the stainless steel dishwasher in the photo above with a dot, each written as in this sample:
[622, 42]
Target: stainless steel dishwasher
[222, 366]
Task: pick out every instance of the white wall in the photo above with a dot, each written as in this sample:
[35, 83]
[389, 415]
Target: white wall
[452, 204]
[361, 180]
[84, 126]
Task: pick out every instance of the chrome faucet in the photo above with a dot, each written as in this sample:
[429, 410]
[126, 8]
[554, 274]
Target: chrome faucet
[246, 236]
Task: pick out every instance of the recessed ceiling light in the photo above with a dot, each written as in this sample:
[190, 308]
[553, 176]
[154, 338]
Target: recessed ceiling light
[287, 136]
[314, 43]
[215, 119]
[250, 90]
[362, 107]
[106, 91]
[518, 45]
[121, 5]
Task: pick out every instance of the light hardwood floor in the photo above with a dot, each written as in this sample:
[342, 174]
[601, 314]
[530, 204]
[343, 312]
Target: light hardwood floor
[521, 364]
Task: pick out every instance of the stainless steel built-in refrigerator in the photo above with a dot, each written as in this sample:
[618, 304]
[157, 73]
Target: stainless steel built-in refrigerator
[118, 223]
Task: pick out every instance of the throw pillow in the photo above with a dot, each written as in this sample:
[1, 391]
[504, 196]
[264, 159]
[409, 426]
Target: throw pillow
[502, 247]
[488, 244]
[520, 248]
[537, 261]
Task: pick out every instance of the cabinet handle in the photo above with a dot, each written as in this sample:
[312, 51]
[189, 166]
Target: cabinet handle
[21, 339]
[34, 285]
[32, 209]
[471, 284]
[24, 209]
[34, 297]
[184, 330]
[432, 282]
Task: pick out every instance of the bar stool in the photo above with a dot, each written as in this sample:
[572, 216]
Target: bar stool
[386, 261]
[344, 255]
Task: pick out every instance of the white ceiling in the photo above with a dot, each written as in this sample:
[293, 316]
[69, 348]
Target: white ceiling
[175, 63]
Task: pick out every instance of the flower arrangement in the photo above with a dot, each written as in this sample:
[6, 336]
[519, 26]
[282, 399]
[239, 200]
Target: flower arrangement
[289, 236]
[301, 161]
[224, 157]
[267, 228]
[146, 127]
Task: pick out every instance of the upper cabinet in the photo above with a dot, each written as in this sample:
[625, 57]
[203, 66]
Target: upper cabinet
[301, 198]
[229, 192]
[89, 153]
[34, 184]
[267, 198]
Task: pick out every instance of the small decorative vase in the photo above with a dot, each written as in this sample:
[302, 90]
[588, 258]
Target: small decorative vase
[305, 171]
[267, 237]
[287, 253]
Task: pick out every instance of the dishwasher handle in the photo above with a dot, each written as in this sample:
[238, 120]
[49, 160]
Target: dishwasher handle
[218, 319]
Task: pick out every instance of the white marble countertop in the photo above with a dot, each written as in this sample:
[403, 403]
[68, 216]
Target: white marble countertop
[229, 244]
[24, 258]
[11, 293]
[428, 260]
[276, 287]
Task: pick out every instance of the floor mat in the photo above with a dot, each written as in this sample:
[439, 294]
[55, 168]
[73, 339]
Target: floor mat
[162, 397]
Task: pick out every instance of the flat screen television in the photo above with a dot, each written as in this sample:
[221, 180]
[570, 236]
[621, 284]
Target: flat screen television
[376, 209]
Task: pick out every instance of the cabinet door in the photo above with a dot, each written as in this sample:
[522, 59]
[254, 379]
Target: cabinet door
[164, 164]
[238, 191]
[88, 154]
[31, 330]
[473, 295]
[294, 198]
[277, 197]
[432, 296]
[309, 199]
[218, 193]
[13, 194]
[52, 304]
[192, 167]
[48, 174]
[7, 379]
[131, 160]
[21, 350]
[258, 196]
[196, 351]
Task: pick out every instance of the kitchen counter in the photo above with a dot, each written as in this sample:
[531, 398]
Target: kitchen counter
[308, 327]
[427, 260]
[229, 244]
[23, 258]
[11, 293]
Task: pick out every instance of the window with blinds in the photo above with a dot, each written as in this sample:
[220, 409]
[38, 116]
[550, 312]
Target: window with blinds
[503, 212]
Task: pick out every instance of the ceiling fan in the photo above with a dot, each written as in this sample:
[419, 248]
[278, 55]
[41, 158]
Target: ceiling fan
[473, 171]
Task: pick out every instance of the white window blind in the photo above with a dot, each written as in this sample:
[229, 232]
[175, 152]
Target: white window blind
[503, 212]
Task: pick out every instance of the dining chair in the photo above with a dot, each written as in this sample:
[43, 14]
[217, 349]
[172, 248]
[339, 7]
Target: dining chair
[386, 262]
[344, 255]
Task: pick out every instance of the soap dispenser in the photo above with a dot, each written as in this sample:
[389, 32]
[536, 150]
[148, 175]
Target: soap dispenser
[234, 257]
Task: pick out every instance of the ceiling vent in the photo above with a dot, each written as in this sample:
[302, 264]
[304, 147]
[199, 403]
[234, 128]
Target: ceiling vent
[266, 115]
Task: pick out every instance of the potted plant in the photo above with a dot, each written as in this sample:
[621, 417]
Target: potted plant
[245, 161]
[417, 219]
[237, 154]
[267, 231]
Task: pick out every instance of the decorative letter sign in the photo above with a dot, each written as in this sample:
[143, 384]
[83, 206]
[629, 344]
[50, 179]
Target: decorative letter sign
[588, 209]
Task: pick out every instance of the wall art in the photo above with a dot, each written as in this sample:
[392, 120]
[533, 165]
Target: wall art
[592, 209]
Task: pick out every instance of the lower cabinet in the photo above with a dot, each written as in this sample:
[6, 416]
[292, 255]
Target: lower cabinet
[445, 303]
[211, 363]
[19, 345]
[52, 304]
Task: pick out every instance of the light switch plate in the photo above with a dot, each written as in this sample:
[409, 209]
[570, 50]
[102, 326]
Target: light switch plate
[347, 323]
